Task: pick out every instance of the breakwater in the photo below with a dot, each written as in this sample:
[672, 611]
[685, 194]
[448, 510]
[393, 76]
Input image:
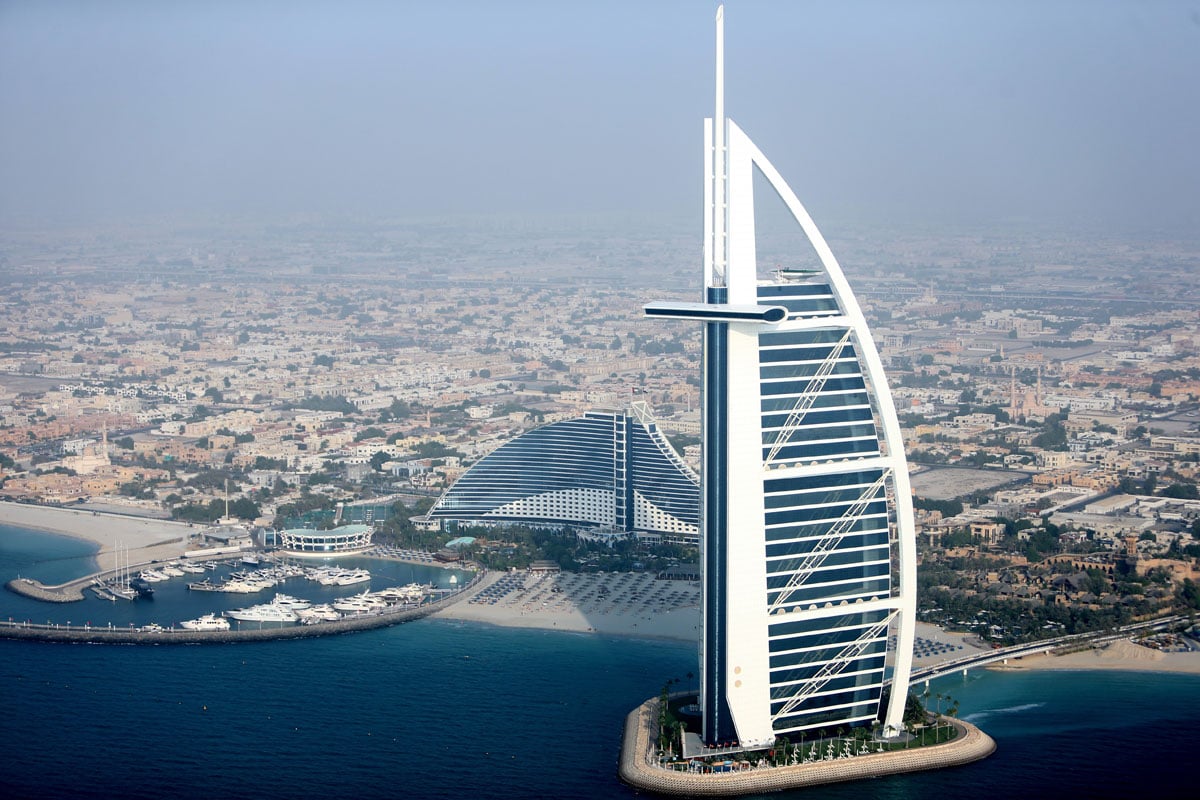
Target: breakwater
[92, 634]
[639, 763]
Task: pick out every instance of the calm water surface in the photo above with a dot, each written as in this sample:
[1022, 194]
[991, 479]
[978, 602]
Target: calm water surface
[442, 709]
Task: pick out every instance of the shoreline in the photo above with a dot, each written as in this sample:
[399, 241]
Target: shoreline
[532, 602]
[145, 539]
[1122, 655]
[635, 605]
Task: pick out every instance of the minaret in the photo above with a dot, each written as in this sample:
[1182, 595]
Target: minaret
[1012, 393]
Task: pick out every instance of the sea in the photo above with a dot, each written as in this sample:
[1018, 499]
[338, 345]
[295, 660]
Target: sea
[446, 709]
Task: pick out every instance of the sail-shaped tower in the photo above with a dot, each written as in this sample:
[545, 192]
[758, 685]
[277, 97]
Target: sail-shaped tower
[807, 540]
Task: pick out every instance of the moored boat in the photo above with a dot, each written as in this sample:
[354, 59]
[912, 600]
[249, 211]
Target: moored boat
[205, 585]
[267, 612]
[208, 622]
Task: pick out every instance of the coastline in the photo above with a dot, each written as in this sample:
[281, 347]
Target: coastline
[638, 606]
[535, 604]
[585, 606]
[1121, 655]
[146, 539]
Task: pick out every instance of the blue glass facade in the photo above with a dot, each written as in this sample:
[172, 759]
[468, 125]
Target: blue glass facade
[599, 470]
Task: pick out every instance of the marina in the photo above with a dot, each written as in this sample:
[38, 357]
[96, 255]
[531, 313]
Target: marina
[88, 608]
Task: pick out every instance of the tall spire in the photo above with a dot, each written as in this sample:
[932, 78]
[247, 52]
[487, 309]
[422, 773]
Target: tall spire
[720, 195]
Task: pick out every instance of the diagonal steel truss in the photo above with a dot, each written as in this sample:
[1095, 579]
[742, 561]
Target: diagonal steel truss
[836, 666]
[826, 544]
[806, 399]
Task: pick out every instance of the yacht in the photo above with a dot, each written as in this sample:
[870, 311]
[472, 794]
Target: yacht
[153, 576]
[205, 585]
[287, 601]
[412, 593]
[321, 613]
[209, 622]
[353, 576]
[193, 568]
[267, 612]
[360, 603]
[241, 587]
[171, 571]
[142, 587]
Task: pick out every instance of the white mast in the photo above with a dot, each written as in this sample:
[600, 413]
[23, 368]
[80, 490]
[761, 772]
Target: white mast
[719, 192]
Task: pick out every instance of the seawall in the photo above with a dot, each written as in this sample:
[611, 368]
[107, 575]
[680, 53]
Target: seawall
[639, 763]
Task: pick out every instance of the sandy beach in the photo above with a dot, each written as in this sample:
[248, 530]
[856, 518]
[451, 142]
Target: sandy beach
[1119, 655]
[146, 539]
[636, 604]
[621, 604]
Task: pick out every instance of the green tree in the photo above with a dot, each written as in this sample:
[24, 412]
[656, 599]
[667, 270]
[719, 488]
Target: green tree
[244, 508]
[1181, 491]
[369, 433]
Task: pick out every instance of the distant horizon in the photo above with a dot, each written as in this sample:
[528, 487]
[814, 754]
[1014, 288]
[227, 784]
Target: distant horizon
[1070, 115]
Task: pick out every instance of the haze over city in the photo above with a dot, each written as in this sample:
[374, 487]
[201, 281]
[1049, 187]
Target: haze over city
[1074, 114]
[393, 306]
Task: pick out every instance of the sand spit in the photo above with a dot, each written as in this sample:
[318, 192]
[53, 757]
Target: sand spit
[146, 539]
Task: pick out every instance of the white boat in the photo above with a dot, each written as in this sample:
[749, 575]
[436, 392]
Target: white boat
[241, 587]
[287, 601]
[193, 568]
[354, 576]
[412, 593]
[321, 613]
[172, 571]
[360, 603]
[267, 612]
[209, 622]
[153, 576]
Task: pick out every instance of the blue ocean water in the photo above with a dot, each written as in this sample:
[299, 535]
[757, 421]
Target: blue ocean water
[46, 557]
[443, 709]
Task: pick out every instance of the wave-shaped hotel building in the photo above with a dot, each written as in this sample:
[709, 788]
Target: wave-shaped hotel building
[807, 539]
[607, 471]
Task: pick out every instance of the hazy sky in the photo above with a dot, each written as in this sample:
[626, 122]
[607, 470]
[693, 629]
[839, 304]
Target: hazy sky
[1085, 114]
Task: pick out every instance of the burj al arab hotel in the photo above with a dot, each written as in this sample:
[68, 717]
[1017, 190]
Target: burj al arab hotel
[807, 540]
